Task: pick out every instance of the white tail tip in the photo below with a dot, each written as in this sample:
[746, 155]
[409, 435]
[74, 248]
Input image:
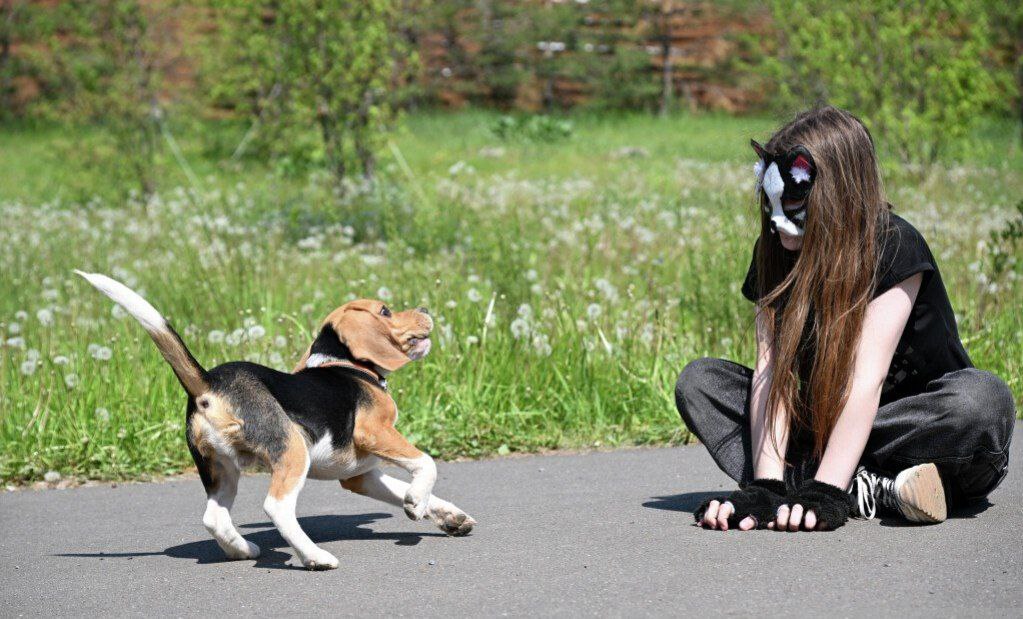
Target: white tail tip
[151, 319]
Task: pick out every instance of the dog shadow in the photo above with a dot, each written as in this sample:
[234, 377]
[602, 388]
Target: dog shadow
[321, 529]
[685, 502]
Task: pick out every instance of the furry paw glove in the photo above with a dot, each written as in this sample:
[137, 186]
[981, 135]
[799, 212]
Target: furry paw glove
[831, 505]
[759, 499]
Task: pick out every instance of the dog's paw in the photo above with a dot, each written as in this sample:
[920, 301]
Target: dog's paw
[320, 559]
[456, 524]
[416, 506]
[235, 553]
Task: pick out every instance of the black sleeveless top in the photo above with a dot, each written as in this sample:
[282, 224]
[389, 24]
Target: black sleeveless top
[930, 346]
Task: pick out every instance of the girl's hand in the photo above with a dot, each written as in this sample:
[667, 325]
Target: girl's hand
[795, 518]
[751, 506]
[814, 506]
[716, 517]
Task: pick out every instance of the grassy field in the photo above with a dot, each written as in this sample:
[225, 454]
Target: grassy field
[571, 279]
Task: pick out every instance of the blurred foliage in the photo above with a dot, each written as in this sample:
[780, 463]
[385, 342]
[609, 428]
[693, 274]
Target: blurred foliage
[915, 72]
[319, 83]
[99, 62]
[535, 128]
[300, 65]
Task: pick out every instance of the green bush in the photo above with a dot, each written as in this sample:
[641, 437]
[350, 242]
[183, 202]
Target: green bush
[914, 72]
[311, 67]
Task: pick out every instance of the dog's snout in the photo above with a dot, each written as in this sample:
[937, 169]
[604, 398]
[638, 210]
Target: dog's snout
[423, 310]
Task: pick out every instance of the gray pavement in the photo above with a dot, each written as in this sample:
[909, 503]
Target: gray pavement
[590, 534]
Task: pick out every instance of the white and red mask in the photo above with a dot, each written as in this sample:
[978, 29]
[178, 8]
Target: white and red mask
[785, 177]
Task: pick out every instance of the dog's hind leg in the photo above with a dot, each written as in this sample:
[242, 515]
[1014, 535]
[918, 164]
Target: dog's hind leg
[217, 519]
[375, 484]
[288, 473]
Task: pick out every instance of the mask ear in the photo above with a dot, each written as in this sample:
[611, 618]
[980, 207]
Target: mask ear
[369, 340]
[759, 149]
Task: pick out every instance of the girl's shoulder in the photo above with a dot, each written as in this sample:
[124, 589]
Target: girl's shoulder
[903, 253]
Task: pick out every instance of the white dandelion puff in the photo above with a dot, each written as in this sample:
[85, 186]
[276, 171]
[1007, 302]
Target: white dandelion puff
[519, 328]
[280, 341]
[45, 317]
[593, 311]
[256, 332]
[102, 353]
[474, 295]
[384, 293]
[28, 368]
[61, 360]
[71, 380]
[14, 328]
[215, 336]
[102, 414]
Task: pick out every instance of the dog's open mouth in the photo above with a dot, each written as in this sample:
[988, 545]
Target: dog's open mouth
[419, 347]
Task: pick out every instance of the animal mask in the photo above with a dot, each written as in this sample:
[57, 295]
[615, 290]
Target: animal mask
[788, 176]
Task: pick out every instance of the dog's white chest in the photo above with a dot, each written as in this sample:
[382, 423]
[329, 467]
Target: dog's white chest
[325, 462]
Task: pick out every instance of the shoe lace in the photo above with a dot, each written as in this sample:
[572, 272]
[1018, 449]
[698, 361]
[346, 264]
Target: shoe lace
[869, 488]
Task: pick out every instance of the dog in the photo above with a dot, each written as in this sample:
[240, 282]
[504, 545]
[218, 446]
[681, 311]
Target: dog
[332, 418]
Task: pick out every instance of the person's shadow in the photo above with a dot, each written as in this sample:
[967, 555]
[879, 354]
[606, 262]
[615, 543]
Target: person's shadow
[321, 529]
[685, 502]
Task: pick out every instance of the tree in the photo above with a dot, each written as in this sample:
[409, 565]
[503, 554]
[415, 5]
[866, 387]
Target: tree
[914, 71]
[323, 65]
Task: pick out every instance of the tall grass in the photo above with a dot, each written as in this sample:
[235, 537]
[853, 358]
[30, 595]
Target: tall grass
[571, 281]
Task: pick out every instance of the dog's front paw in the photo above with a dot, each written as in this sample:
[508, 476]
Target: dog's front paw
[320, 559]
[456, 523]
[415, 505]
[251, 551]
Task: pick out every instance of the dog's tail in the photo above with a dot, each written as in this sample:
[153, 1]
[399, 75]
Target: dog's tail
[190, 374]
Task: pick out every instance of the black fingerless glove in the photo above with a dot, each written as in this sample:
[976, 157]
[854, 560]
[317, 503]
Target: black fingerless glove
[831, 505]
[759, 499]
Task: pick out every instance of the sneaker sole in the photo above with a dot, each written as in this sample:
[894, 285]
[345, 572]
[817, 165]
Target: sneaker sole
[921, 495]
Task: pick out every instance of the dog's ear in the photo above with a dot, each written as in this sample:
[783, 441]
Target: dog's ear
[302, 362]
[369, 339]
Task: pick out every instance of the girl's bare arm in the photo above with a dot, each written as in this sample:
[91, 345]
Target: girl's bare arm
[882, 328]
[768, 443]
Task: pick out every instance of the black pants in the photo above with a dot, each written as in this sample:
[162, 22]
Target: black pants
[962, 422]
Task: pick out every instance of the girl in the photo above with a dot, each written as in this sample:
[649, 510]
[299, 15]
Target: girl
[862, 394]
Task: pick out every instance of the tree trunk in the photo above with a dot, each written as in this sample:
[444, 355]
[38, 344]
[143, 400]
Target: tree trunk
[667, 69]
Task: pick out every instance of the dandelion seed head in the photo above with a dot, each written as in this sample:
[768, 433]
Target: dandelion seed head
[28, 367]
[71, 380]
[45, 317]
[215, 336]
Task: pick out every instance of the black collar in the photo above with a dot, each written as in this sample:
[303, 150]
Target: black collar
[320, 360]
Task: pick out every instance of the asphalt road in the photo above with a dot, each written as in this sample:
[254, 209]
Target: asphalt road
[592, 534]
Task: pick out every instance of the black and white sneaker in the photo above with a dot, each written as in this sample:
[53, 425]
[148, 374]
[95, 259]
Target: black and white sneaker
[916, 494]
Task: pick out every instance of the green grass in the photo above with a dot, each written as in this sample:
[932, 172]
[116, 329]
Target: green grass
[601, 275]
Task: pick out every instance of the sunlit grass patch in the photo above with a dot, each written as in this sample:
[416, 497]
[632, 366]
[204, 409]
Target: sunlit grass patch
[571, 281]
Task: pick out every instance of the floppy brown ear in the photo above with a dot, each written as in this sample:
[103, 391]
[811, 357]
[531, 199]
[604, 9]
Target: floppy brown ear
[369, 340]
[305, 359]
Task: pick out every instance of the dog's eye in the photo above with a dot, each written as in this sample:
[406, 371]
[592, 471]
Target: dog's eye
[385, 312]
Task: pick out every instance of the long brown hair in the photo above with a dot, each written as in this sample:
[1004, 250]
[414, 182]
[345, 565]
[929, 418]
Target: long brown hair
[816, 299]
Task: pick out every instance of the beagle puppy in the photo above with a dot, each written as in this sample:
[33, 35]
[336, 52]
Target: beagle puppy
[332, 418]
